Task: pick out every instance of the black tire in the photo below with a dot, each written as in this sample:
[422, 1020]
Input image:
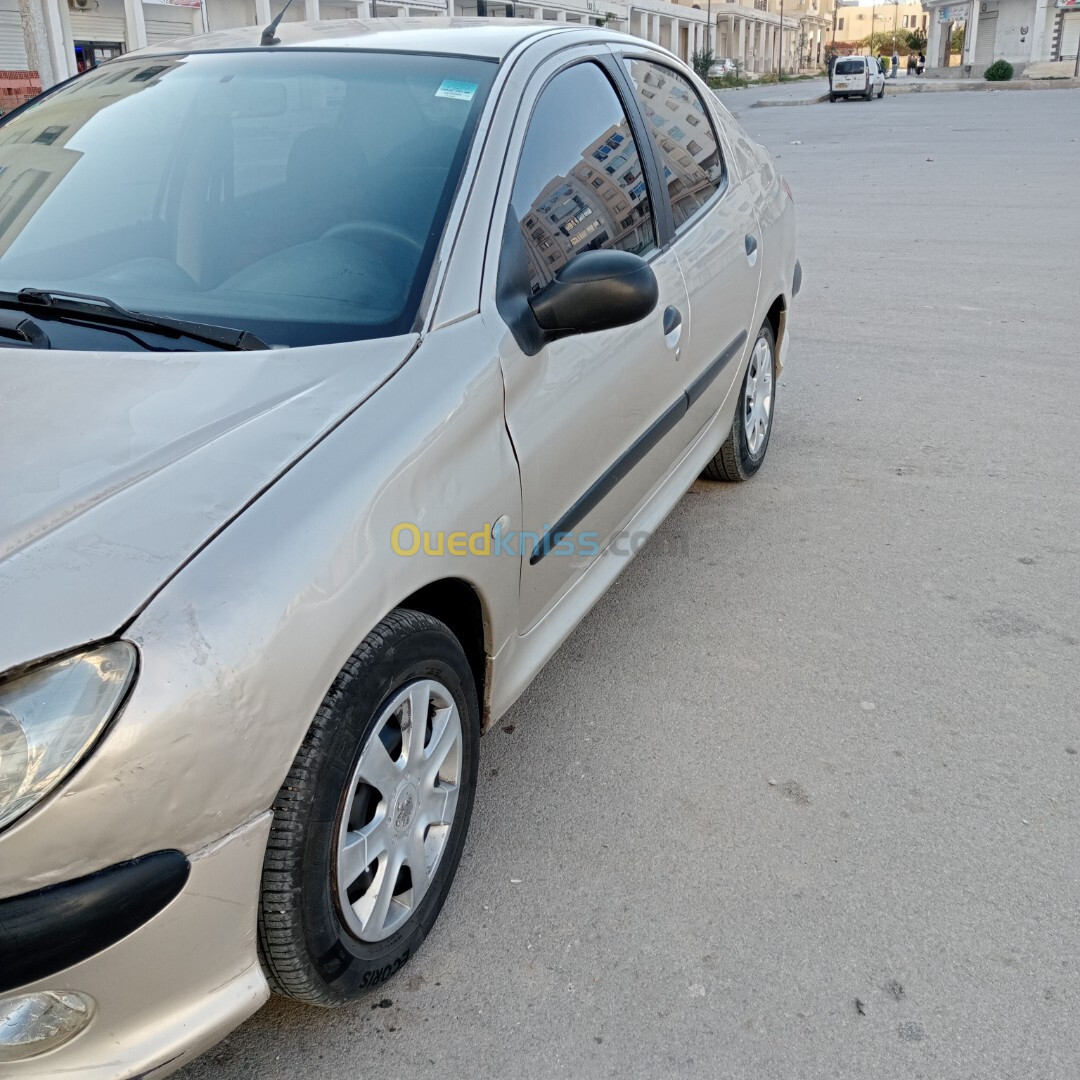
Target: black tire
[881, 92]
[734, 462]
[306, 948]
[832, 98]
[870, 92]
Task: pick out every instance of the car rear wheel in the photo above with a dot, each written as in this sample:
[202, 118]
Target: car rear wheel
[744, 449]
[370, 822]
[832, 97]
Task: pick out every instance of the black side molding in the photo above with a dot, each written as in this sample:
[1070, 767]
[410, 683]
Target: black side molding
[710, 374]
[637, 450]
[48, 930]
[796, 279]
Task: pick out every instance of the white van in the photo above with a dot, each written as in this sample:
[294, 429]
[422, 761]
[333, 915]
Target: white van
[856, 76]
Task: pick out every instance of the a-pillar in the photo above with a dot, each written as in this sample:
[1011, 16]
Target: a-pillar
[134, 24]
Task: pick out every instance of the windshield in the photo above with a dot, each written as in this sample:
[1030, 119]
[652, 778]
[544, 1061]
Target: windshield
[299, 195]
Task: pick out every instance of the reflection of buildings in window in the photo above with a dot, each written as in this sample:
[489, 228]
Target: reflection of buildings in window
[691, 161]
[582, 210]
[34, 164]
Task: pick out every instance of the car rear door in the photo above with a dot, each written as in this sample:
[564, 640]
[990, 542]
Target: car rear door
[717, 238]
[592, 417]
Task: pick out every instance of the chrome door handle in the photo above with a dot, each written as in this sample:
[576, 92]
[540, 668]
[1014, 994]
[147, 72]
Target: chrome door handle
[672, 327]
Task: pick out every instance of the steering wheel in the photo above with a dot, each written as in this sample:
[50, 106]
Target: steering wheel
[359, 232]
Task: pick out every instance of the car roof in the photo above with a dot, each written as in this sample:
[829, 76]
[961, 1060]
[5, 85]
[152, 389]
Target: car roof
[461, 36]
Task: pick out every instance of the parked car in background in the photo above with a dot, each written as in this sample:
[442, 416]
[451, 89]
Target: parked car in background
[383, 347]
[856, 76]
[723, 66]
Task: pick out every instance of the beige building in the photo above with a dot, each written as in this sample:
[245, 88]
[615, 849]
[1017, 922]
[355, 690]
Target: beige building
[815, 18]
[856, 22]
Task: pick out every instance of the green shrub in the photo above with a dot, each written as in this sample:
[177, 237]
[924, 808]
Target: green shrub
[726, 82]
[770, 77]
[701, 62]
[999, 71]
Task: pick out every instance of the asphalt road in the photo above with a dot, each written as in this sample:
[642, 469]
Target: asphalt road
[800, 799]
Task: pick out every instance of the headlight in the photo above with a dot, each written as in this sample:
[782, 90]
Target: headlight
[51, 716]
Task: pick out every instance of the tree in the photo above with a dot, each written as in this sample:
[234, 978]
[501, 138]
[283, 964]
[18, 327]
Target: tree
[956, 42]
[915, 40]
[701, 62]
[878, 43]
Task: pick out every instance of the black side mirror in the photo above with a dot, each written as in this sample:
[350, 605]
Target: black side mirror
[596, 290]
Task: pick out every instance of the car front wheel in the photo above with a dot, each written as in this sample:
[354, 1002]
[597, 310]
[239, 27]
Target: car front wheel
[744, 449]
[370, 823]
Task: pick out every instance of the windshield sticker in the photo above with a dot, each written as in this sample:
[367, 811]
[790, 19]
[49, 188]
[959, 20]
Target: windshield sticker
[460, 91]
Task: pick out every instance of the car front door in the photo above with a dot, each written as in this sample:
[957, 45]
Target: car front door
[592, 416]
[717, 238]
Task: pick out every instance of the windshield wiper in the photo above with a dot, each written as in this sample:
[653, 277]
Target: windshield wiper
[19, 326]
[101, 309]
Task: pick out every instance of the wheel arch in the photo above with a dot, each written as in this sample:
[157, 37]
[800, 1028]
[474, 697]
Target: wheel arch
[458, 604]
[777, 319]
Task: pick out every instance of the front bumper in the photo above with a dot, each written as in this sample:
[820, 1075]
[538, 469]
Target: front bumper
[173, 987]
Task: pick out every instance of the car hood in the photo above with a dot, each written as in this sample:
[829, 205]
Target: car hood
[115, 468]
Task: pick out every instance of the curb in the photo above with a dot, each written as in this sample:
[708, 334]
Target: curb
[782, 104]
[944, 87]
[955, 86]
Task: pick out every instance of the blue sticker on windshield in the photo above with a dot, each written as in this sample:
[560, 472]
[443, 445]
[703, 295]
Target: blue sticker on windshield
[460, 91]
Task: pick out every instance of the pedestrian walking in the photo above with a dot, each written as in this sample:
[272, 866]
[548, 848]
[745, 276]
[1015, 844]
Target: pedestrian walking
[895, 64]
[920, 67]
[911, 63]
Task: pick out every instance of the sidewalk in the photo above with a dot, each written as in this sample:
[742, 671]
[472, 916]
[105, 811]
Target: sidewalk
[813, 91]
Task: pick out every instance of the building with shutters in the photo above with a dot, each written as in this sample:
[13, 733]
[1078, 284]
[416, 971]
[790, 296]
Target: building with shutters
[1024, 32]
[63, 37]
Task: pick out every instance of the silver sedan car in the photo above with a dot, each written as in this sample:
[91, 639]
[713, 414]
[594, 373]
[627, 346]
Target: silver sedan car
[342, 369]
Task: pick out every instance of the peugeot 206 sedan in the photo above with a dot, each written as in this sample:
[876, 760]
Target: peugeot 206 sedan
[336, 369]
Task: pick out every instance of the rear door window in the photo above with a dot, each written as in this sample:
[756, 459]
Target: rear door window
[849, 67]
[683, 132]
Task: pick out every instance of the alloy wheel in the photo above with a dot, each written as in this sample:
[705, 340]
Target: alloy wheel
[757, 402]
[399, 810]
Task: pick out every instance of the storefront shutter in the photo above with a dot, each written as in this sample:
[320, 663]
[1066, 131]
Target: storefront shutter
[167, 23]
[12, 43]
[1070, 35]
[90, 26]
[985, 34]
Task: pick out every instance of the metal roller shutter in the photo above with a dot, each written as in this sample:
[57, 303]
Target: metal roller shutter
[164, 25]
[1070, 35]
[985, 34]
[12, 43]
[93, 27]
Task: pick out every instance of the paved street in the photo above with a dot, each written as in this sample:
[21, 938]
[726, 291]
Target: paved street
[801, 797]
